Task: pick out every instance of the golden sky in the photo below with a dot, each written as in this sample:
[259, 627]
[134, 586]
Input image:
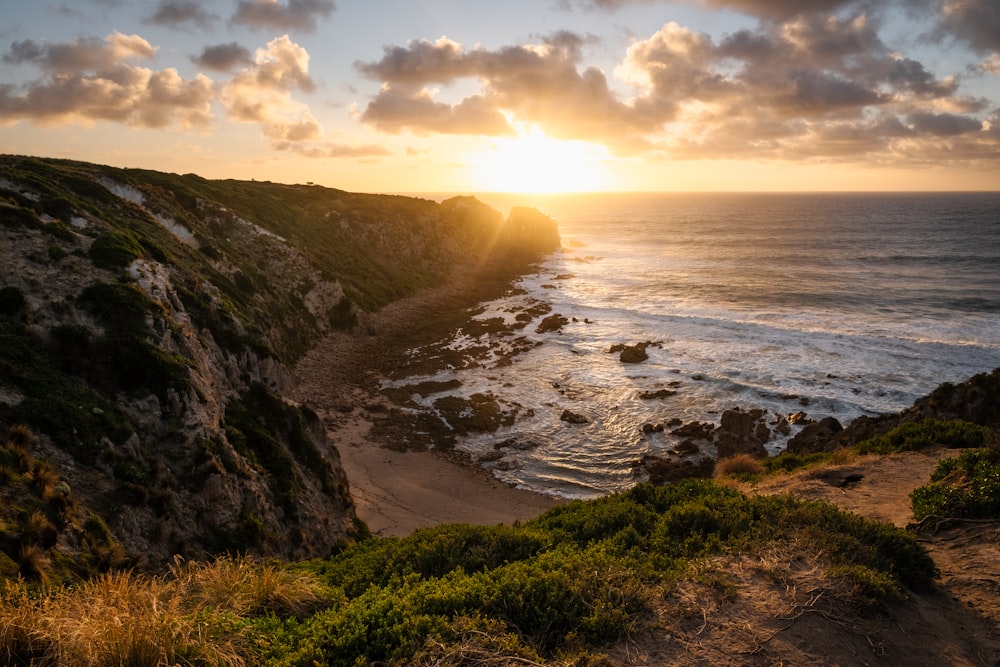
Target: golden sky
[556, 95]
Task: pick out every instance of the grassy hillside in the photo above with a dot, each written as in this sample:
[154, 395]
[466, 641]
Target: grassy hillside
[147, 325]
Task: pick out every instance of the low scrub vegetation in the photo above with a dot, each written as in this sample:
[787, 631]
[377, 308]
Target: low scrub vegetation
[913, 436]
[554, 590]
[964, 487]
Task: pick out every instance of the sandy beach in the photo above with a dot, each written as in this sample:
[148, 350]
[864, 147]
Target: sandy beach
[397, 491]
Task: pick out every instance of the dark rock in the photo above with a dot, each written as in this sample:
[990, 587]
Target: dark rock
[634, 354]
[660, 393]
[818, 437]
[480, 413]
[573, 418]
[687, 448]
[649, 429]
[552, 323]
[799, 418]
[695, 430]
[841, 478]
[742, 433]
[666, 471]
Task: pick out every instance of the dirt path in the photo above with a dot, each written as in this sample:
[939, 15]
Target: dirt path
[966, 554]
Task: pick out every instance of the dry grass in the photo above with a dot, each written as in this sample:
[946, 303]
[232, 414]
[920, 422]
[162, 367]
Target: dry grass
[740, 466]
[20, 436]
[193, 615]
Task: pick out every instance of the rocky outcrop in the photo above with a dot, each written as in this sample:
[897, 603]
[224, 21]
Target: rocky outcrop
[742, 433]
[976, 400]
[632, 354]
[818, 437]
[528, 233]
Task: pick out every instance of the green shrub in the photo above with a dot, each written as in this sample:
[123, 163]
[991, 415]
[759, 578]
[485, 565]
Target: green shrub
[786, 462]
[256, 425]
[56, 404]
[966, 487]
[913, 436]
[120, 307]
[115, 250]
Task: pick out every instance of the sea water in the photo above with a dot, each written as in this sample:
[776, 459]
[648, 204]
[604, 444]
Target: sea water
[830, 304]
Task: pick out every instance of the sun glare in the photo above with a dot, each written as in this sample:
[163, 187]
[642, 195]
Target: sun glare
[533, 162]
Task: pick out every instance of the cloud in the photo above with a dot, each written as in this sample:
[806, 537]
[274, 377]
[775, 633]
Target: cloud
[81, 55]
[91, 80]
[262, 93]
[943, 124]
[223, 57]
[331, 150]
[537, 82]
[812, 86]
[393, 111]
[272, 15]
[181, 14]
[777, 9]
[975, 22]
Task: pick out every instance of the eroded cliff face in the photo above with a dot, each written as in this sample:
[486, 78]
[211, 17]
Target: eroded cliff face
[147, 324]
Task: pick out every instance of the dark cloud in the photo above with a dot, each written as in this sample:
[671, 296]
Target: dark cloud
[181, 14]
[943, 124]
[25, 51]
[81, 55]
[816, 92]
[911, 75]
[272, 15]
[393, 111]
[223, 57]
[976, 22]
[777, 9]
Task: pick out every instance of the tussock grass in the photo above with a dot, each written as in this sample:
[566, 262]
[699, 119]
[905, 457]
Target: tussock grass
[196, 614]
[741, 466]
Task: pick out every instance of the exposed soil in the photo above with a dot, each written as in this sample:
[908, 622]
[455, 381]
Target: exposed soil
[781, 610]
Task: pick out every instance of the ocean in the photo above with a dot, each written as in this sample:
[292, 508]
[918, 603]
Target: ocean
[830, 304]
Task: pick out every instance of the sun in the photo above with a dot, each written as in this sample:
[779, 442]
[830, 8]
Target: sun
[532, 162]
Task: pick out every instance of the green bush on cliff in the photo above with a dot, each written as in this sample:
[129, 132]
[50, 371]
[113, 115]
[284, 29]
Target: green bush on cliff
[964, 487]
[115, 250]
[913, 436]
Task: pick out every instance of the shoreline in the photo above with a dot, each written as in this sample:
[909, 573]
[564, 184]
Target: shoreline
[398, 490]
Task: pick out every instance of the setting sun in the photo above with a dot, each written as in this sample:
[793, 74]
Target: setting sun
[533, 162]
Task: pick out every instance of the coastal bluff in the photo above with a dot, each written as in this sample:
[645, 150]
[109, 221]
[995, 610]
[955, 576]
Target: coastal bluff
[149, 323]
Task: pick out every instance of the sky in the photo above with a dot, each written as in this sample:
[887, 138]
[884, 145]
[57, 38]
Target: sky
[514, 96]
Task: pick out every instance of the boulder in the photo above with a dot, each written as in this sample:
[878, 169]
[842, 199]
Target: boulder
[573, 418]
[552, 323]
[666, 471]
[634, 354]
[742, 433]
[818, 437]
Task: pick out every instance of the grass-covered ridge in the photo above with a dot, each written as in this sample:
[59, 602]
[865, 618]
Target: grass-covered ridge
[556, 590]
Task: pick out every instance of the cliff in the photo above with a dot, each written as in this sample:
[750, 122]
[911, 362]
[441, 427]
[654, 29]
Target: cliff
[147, 325]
